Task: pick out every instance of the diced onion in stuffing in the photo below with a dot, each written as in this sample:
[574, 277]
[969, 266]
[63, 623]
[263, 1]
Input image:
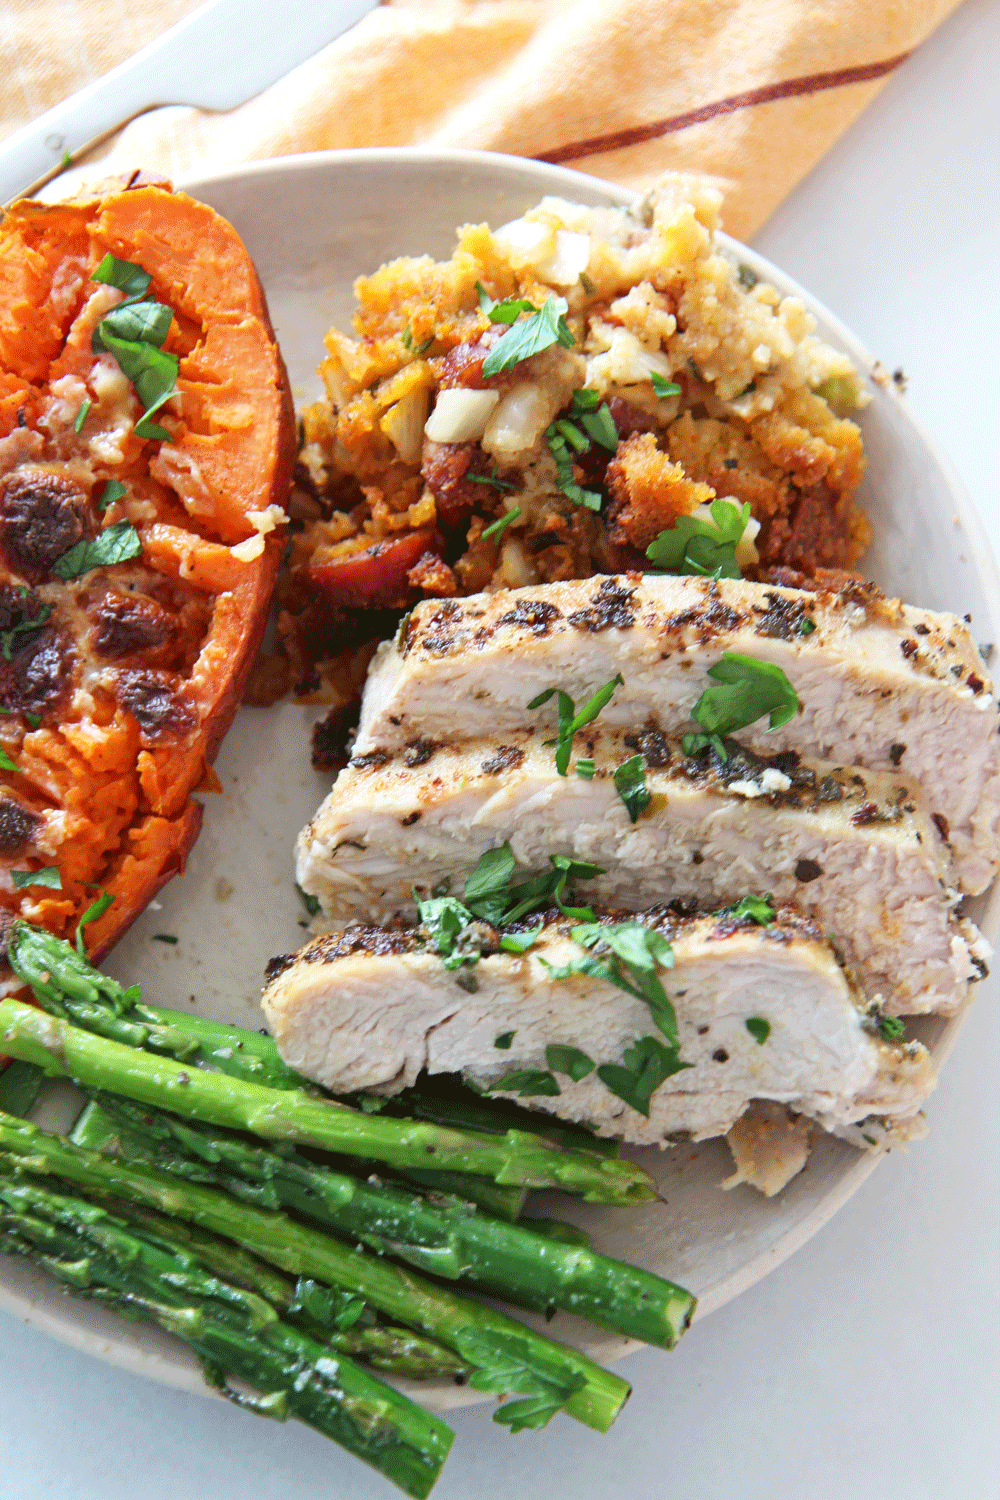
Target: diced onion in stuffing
[403, 424]
[525, 243]
[460, 415]
[626, 362]
[519, 420]
[570, 257]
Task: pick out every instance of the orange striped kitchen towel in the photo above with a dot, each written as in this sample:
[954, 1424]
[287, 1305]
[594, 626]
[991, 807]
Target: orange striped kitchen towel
[747, 93]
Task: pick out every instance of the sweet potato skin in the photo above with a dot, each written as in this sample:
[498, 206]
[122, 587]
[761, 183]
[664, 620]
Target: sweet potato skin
[105, 781]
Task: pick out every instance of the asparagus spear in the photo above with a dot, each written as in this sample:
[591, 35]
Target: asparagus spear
[516, 1158]
[236, 1332]
[508, 1356]
[449, 1240]
[330, 1317]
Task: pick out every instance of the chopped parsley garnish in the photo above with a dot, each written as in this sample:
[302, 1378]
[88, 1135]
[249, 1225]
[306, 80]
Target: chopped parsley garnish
[492, 479]
[311, 903]
[759, 1029]
[507, 1364]
[97, 909]
[165, 937]
[527, 1082]
[507, 311]
[50, 876]
[569, 1060]
[631, 948]
[891, 1028]
[807, 627]
[758, 908]
[487, 888]
[112, 491]
[520, 942]
[748, 690]
[545, 327]
[113, 545]
[33, 719]
[81, 415]
[504, 1041]
[406, 339]
[645, 1065]
[587, 284]
[570, 722]
[490, 896]
[662, 386]
[6, 764]
[585, 769]
[592, 412]
[748, 278]
[494, 532]
[694, 546]
[134, 333]
[630, 783]
[445, 918]
[25, 626]
[558, 447]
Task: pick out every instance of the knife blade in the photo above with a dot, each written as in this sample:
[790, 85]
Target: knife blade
[216, 58]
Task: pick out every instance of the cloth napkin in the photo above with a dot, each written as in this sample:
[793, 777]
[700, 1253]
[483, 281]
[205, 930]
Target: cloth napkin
[747, 93]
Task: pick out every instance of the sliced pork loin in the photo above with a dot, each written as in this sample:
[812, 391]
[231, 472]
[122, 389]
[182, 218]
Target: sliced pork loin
[856, 850]
[370, 1008]
[880, 684]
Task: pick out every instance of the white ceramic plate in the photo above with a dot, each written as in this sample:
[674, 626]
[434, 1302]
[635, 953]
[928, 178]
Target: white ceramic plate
[313, 223]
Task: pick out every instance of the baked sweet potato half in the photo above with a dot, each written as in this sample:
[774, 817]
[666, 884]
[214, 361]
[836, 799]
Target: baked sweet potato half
[146, 449]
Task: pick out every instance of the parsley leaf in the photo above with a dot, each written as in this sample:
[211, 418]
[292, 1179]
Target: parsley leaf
[495, 531]
[81, 415]
[544, 328]
[50, 876]
[589, 408]
[807, 627]
[630, 782]
[759, 908]
[125, 275]
[697, 547]
[487, 888]
[507, 311]
[97, 909]
[662, 386]
[445, 917]
[527, 1082]
[571, 723]
[569, 1060]
[25, 626]
[6, 764]
[311, 903]
[503, 1042]
[585, 769]
[406, 339]
[520, 942]
[165, 937]
[508, 1363]
[645, 1065]
[112, 491]
[565, 481]
[891, 1029]
[113, 545]
[33, 719]
[638, 949]
[749, 690]
[759, 1029]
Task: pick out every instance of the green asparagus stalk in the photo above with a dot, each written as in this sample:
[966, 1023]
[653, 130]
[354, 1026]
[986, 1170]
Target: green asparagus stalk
[516, 1158]
[447, 1239]
[502, 1202]
[330, 1317]
[444, 1100]
[236, 1332]
[508, 1356]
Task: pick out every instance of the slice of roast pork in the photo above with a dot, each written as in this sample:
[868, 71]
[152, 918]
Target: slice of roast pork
[762, 1013]
[857, 850]
[880, 684]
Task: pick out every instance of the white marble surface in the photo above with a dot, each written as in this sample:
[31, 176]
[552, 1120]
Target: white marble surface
[869, 1365]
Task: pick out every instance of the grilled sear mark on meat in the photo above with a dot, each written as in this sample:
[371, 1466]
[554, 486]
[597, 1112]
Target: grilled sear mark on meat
[124, 624]
[42, 515]
[711, 833]
[610, 607]
[19, 827]
[369, 1008]
[156, 703]
[859, 694]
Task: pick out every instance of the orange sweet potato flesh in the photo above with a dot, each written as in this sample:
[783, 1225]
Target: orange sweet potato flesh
[117, 686]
